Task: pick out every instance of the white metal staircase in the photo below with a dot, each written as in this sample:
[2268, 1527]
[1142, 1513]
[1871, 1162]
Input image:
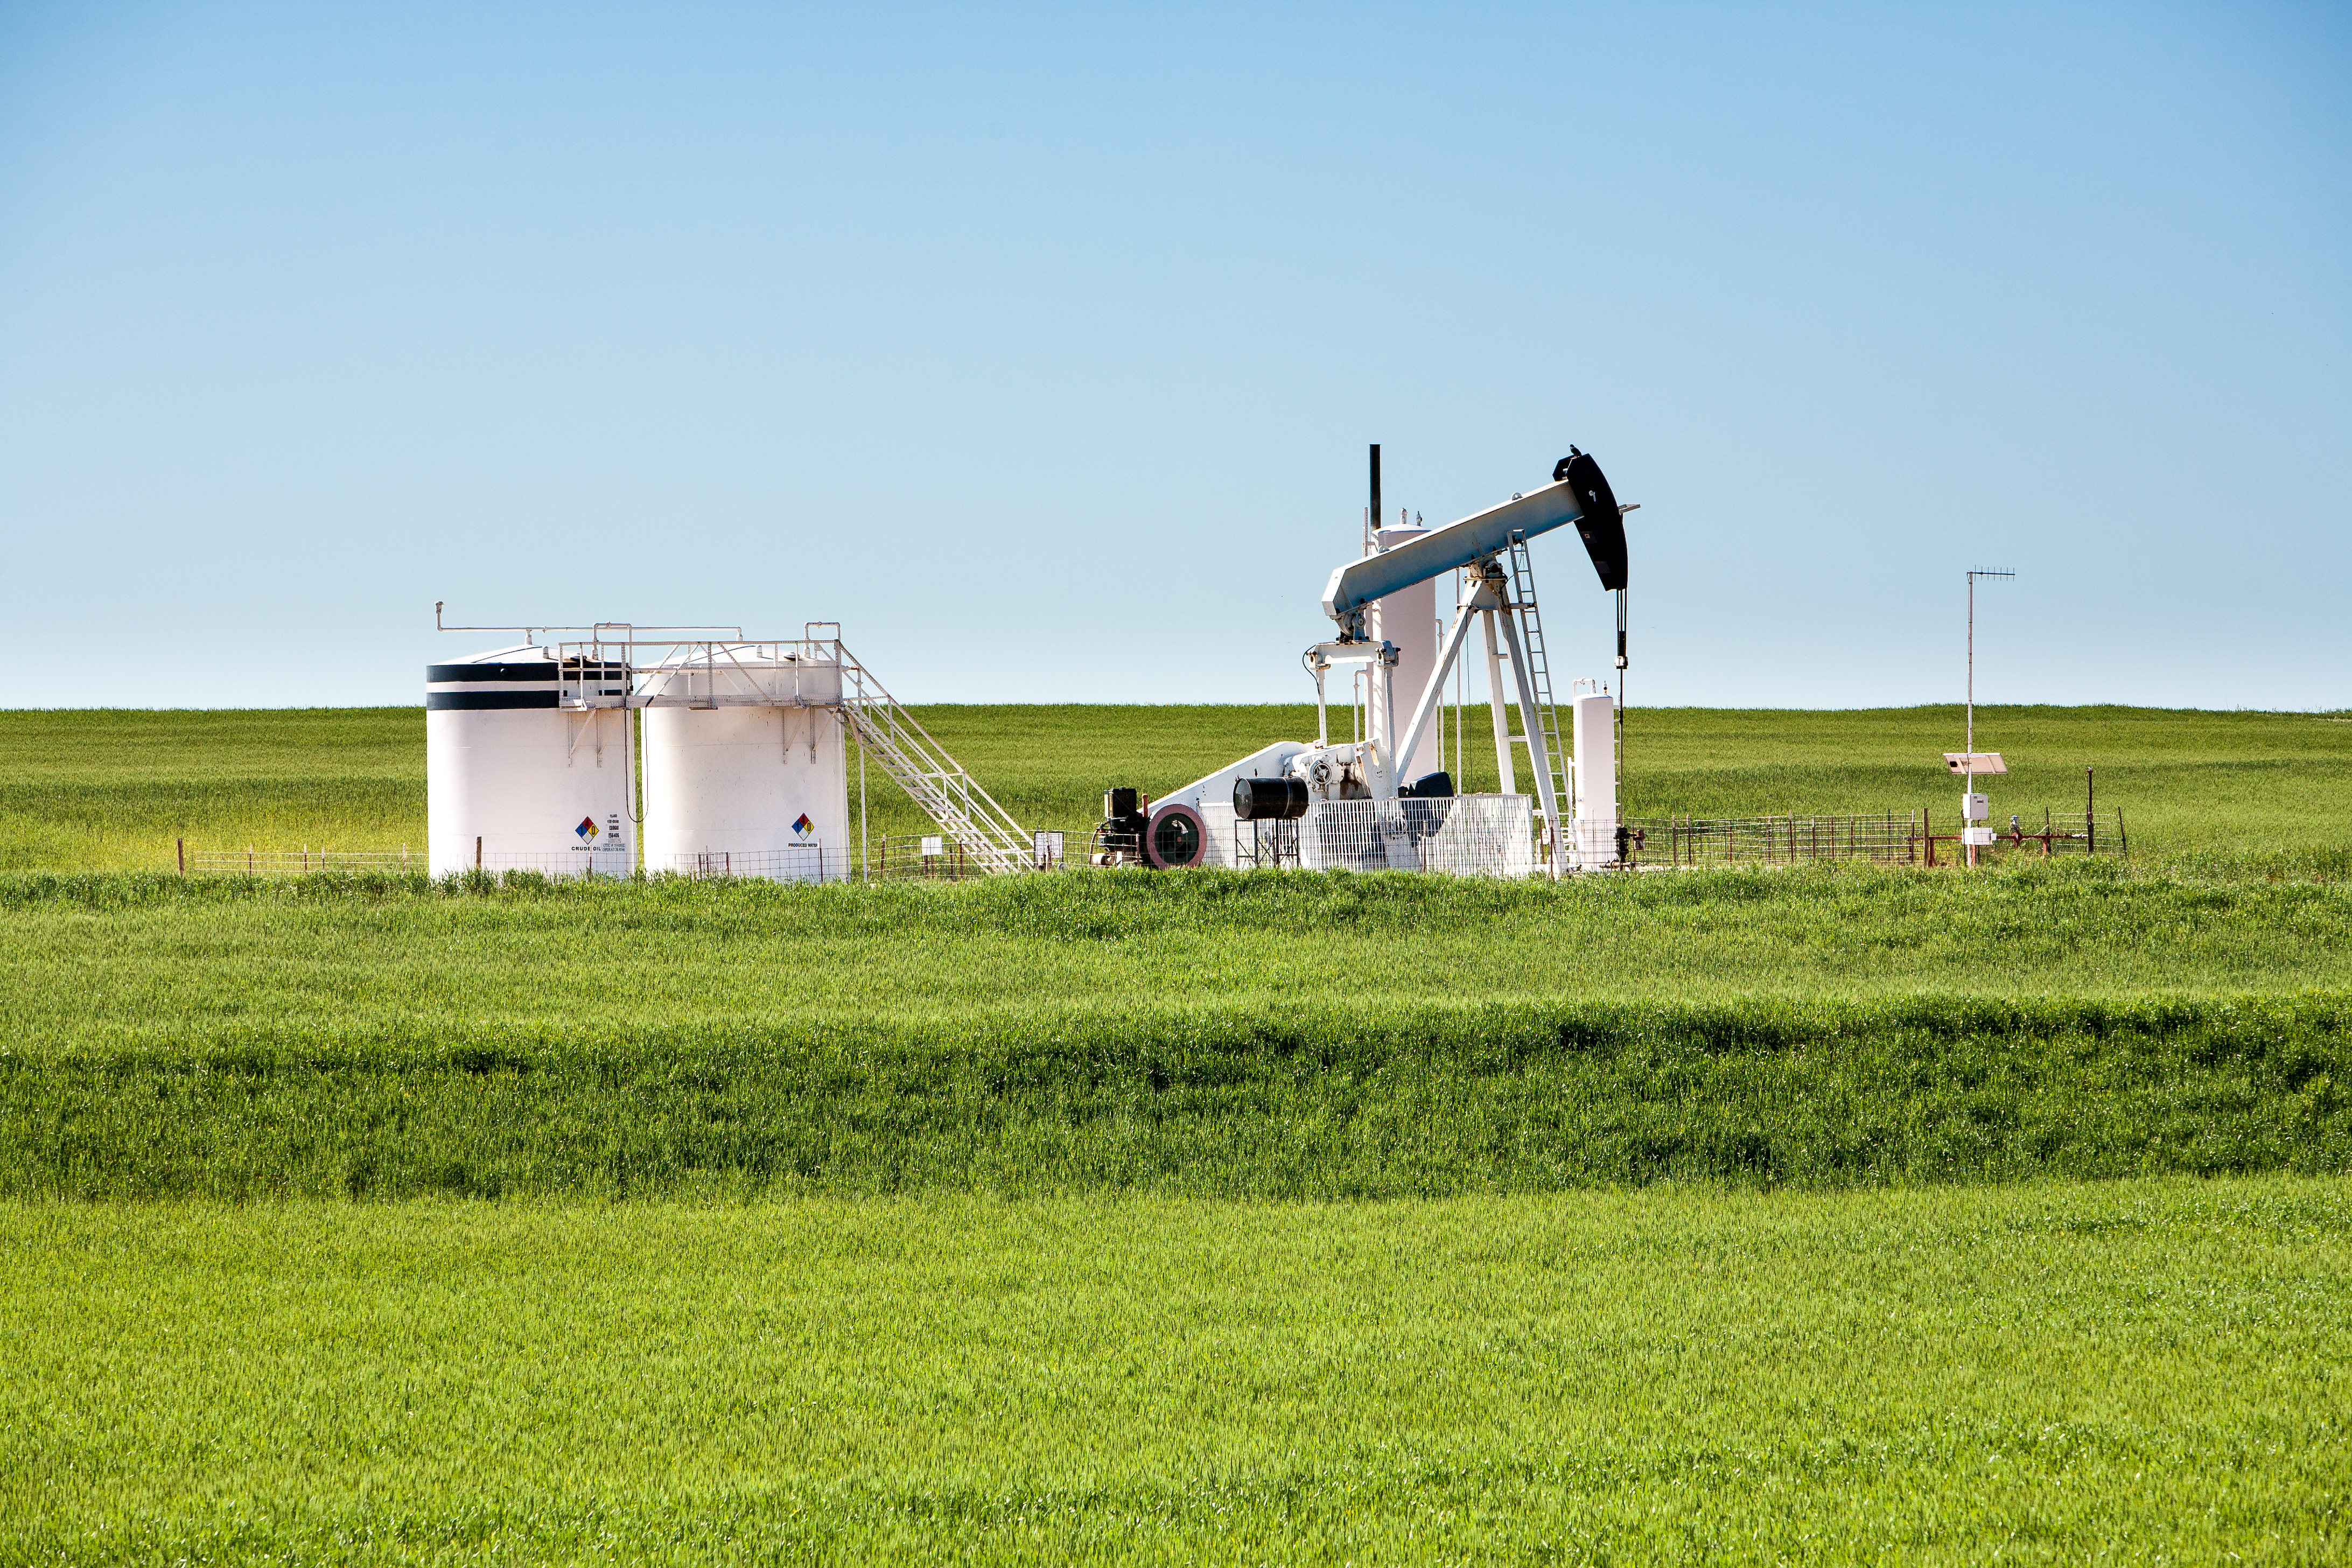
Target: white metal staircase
[935, 781]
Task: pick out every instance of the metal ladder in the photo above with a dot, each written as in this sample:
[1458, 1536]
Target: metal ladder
[935, 781]
[1523, 591]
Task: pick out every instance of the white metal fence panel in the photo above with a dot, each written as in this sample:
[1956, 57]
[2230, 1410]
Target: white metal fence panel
[1479, 835]
[1462, 835]
[1217, 817]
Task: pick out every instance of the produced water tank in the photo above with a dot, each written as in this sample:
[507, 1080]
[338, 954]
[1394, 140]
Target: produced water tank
[745, 772]
[512, 781]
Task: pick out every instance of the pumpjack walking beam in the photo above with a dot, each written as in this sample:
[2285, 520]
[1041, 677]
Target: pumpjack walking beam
[1578, 494]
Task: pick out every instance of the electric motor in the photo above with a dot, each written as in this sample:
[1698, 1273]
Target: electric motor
[1270, 800]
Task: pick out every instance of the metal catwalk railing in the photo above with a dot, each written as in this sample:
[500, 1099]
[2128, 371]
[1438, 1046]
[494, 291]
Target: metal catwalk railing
[815, 671]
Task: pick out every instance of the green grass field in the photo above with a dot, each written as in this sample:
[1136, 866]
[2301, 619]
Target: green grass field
[91, 791]
[2142, 1372]
[1830, 1215]
[1258, 1035]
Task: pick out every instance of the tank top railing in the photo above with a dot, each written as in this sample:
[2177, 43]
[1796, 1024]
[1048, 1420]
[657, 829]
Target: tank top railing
[622, 666]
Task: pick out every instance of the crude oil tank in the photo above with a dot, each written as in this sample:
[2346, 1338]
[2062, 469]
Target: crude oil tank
[515, 780]
[744, 764]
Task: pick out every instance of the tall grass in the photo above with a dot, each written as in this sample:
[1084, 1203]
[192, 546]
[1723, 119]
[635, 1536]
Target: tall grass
[2150, 1372]
[126, 959]
[1267, 1035]
[115, 787]
[1350, 1103]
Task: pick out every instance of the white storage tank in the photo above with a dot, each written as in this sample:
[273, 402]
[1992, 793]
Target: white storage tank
[745, 770]
[1593, 732]
[514, 782]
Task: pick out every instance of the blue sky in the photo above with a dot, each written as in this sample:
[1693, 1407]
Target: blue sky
[1040, 346]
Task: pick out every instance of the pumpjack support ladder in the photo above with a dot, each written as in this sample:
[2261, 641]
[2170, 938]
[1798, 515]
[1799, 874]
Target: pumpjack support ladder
[1555, 754]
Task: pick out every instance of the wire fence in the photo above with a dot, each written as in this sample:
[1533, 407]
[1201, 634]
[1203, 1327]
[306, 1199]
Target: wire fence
[307, 861]
[1463, 835]
[922, 857]
[1886, 836]
[303, 862]
[793, 863]
[559, 862]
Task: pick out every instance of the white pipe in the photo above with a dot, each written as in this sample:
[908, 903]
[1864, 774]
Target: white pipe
[1595, 809]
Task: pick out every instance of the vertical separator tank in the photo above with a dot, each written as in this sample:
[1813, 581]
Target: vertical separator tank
[515, 782]
[1593, 730]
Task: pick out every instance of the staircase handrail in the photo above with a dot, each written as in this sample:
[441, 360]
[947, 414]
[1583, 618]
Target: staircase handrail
[922, 767]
